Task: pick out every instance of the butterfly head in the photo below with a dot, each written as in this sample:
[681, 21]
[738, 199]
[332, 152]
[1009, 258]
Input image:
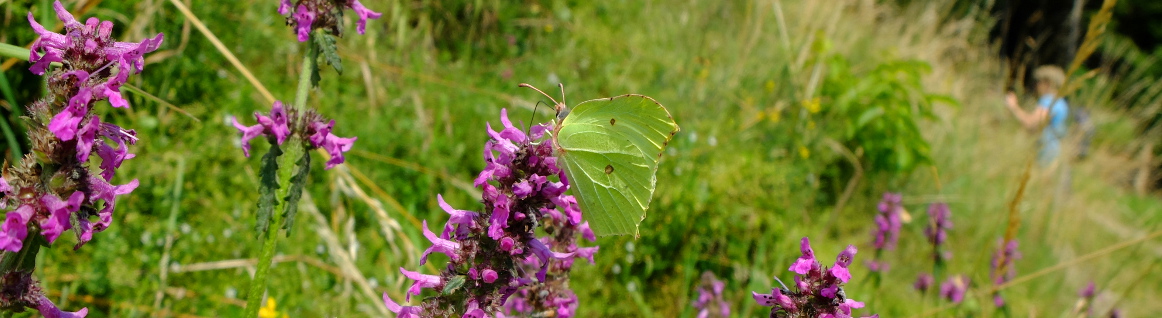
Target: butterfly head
[560, 107]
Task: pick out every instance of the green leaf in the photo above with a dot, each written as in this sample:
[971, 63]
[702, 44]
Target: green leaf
[267, 187]
[296, 191]
[326, 44]
[869, 115]
[453, 284]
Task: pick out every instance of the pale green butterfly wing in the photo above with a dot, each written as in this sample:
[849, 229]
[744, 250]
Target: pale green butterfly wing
[609, 149]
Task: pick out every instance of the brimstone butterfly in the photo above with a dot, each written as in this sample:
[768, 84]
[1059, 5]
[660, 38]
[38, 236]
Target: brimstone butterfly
[609, 149]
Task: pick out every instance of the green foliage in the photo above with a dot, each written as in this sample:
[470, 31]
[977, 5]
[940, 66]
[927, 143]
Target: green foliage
[879, 111]
[326, 45]
[297, 182]
[268, 189]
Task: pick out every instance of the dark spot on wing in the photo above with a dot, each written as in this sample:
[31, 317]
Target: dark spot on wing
[612, 121]
[608, 169]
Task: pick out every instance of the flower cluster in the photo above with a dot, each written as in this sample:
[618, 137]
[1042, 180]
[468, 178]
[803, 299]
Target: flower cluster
[818, 290]
[56, 188]
[323, 14]
[710, 302]
[939, 222]
[1001, 267]
[490, 250]
[553, 293]
[887, 231]
[954, 288]
[307, 126]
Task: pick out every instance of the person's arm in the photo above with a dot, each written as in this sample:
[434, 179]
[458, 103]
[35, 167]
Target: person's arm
[1030, 120]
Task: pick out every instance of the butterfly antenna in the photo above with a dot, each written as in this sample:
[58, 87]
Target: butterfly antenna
[533, 117]
[539, 91]
[562, 86]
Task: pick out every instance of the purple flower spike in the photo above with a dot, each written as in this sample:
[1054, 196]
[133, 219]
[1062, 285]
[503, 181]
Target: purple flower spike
[511, 269]
[806, 262]
[439, 245]
[401, 311]
[818, 290]
[364, 15]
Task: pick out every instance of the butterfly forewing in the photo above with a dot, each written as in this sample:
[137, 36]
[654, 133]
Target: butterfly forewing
[610, 149]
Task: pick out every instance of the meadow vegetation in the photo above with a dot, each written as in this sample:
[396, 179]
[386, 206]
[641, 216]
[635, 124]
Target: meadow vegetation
[796, 116]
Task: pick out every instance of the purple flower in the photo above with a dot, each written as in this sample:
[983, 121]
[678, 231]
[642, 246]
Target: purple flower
[1001, 268]
[953, 290]
[401, 311]
[421, 281]
[304, 18]
[306, 127]
[710, 297]
[284, 8]
[924, 281]
[839, 270]
[364, 14]
[1088, 291]
[49, 310]
[59, 211]
[15, 228]
[939, 223]
[807, 261]
[775, 298]
[439, 245]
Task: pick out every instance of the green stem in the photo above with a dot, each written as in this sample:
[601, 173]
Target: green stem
[12, 51]
[286, 168]
[310, 61]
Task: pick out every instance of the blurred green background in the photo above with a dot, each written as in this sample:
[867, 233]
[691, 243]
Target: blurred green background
[795, 115]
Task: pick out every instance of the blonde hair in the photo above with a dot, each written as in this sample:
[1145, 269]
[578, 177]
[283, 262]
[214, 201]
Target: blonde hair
[1051, 74]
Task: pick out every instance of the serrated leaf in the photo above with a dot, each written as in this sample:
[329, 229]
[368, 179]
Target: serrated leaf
[453, 284]
[267, 187]
[326, 44]
[296, 191]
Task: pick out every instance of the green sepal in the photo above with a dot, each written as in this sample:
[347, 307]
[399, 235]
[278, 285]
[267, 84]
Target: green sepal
[453, 284]
[296, 191]
[267, 199]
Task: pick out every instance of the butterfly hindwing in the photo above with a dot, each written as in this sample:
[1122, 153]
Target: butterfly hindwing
[610, 149]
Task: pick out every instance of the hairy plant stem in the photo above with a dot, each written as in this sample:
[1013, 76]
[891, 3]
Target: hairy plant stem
[292, 151]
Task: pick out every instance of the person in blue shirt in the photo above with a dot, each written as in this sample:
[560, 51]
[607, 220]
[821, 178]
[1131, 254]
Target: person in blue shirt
[1050, 114]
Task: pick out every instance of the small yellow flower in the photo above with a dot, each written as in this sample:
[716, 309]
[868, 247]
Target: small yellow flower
[270, 310]
[775, 115]
[812, 105]
[770, 86]
[804, 152]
